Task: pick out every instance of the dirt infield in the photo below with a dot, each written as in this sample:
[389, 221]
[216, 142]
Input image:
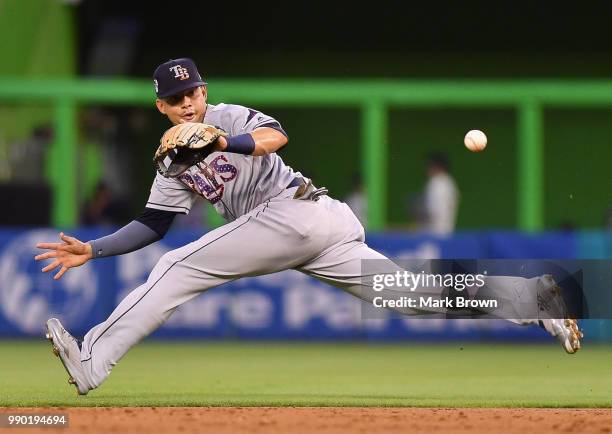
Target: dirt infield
[261, 420]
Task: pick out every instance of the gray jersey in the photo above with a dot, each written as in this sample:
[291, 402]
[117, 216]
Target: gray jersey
[233, 183]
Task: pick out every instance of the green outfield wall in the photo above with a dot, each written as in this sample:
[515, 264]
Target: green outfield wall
[547, 162]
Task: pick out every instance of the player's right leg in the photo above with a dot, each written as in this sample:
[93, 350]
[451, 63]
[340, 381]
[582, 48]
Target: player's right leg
[533, 301]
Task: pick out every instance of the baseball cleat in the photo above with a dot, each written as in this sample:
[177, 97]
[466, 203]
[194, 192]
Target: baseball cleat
[65, 346]
[566, 331]
[554, 316]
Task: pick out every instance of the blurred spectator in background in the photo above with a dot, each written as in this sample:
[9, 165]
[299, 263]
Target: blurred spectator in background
[357, 200]
[101, 132]
[440, 196]
[27, 157]
[23, 180]
[104, 208]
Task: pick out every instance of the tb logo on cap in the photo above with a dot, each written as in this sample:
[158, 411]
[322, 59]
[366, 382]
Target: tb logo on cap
[180, 72]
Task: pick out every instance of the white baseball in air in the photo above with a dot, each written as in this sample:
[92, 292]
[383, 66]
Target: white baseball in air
[475, 140]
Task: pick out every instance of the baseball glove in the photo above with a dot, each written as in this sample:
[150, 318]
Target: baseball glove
[184, 145]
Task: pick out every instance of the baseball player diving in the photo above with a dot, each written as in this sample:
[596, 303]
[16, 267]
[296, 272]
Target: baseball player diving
[276, 220]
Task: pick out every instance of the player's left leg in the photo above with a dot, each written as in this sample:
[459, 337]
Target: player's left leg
[342, 265]
[276, 235]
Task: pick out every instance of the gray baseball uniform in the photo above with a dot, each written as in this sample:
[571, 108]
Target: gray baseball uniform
[268, 230]
[234, 183]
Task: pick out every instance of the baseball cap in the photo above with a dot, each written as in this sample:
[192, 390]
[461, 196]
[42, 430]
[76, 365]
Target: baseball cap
[175, 76]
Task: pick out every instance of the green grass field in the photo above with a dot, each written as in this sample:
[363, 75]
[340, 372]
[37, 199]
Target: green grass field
[296, 374]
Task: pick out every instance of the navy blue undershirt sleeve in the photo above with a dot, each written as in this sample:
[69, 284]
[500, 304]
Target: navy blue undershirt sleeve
[149, 227]
[158, 220]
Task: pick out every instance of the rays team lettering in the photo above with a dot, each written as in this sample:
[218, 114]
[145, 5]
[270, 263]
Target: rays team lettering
[208, 179]
[180, 72]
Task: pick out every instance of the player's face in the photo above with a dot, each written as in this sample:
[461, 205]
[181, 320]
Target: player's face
[188, 106]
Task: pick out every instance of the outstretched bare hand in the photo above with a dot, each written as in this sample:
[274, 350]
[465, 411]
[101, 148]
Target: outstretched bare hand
[70, 253]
